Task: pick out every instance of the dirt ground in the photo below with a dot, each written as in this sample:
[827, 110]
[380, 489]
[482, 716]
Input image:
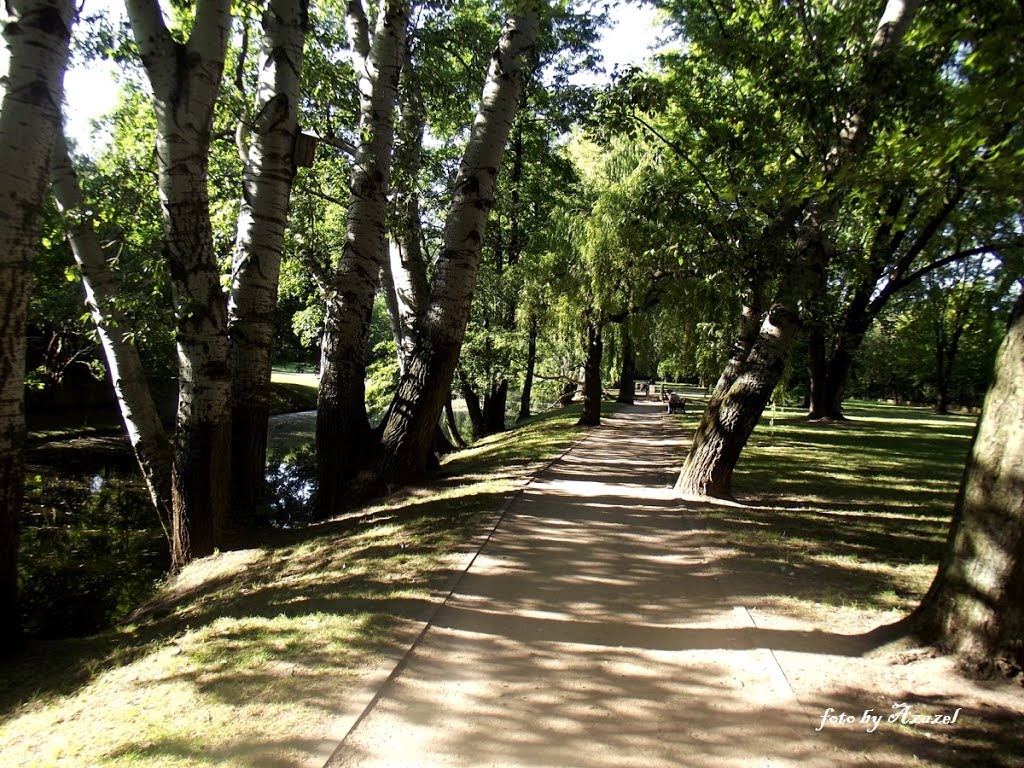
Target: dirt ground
[607, 623]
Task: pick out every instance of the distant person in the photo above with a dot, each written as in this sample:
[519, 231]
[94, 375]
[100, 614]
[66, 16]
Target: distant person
[676, 402]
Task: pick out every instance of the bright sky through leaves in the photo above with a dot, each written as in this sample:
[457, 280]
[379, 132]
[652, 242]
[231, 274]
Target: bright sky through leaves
[91, 87]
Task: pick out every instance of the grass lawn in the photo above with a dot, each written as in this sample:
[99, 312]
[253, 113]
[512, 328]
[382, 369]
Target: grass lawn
[291, 392]
[849, 514]
[245, 658]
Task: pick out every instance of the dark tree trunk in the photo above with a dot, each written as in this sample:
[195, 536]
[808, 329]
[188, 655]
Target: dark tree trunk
[476, 414]
[342, 428]
[453, 427]
[746, 335]
[628, 373]
[851, 336]
[495, 403]
[531, 365]
[442, 445]
[568, 394]
[591, 415]
[818, 370]
[975, 607]
[729, 420]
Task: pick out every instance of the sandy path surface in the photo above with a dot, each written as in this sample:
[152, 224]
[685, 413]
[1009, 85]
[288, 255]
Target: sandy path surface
[591, 631]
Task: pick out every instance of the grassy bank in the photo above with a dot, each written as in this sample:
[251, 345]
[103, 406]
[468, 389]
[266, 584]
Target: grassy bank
[246, 657]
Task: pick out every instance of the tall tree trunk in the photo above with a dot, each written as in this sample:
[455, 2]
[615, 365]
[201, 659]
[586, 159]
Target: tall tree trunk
[495, 403]
[185, 78]
[142, 424]
[729, 420]
[531, 366]
[267, 175]
[476, 414]
[857, 320]
[628, 372]
[591, 416]
[36, 36]
[817, 365]
[407, 434]
[752, 310]
[342, 427]
[408, 292]
[975, 607]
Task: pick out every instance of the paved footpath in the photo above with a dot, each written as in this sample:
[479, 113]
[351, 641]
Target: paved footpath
[591, 631]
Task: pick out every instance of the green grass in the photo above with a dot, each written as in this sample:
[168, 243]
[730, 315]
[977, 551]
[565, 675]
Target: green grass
[243, 659]
[851, 514]
[291, 391]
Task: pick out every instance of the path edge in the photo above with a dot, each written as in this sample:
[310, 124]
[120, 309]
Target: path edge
[329, 751]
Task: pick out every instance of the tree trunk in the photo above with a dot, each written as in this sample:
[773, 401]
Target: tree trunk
[591, 416]
[752, 312]
[531, 366]
[36, 35]
[453, 427]
[850, 337]
[142, 424]
[476, 414]
[343, 432]
[342, 427]
[729, 420]
[628, 373]
[495, 403]
[267, 175]
[185, 78]
[975, 607]
[405, 441]
[818, 370]
[408, 292]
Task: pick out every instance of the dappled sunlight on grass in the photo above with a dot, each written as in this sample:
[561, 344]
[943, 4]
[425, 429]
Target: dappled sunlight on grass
[850, 514]
[246, 657]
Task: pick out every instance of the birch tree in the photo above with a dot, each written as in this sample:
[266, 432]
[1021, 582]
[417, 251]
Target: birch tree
[411, 422]
[36, 37]
[142, 424]
[185, 79]
[342, 427]
[267, 145]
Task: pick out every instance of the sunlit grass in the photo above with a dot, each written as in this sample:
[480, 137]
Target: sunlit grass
[291, 392]
[247, 656]
[852, 514]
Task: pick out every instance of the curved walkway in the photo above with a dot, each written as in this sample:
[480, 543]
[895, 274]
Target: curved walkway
[591, 631]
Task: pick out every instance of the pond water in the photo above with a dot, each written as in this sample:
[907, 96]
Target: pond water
[91, 546]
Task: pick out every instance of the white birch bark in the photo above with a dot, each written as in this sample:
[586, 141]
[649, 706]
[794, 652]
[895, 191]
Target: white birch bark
[142, 423]
[267, 177]
[36, 36]
[343, 431]
[413, 417]
[185, 78]
[408, 291]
